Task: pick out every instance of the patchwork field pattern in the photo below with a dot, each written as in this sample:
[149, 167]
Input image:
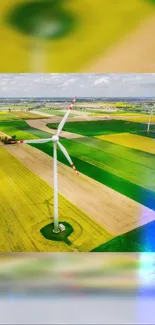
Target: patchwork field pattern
[113, 153]
[22, 130]
[27, 206]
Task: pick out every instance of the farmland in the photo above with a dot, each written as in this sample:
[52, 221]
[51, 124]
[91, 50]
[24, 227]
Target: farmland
[104, 166]
[22, 130]
[56, 112]
[134, 141]
[137, 240]
[26, 206]
[111, 156]
[100, 127]
[17, 115]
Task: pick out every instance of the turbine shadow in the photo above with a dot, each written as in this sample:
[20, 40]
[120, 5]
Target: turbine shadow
[48, 205]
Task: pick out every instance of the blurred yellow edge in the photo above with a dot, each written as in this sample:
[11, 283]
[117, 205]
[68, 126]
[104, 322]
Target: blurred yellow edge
[101, 24]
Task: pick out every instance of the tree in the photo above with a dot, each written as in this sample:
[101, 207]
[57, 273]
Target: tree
[13, 137]
[5, 140]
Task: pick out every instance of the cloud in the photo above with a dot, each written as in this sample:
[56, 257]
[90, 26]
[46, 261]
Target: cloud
[4, 88]
[104, 80]
[68, 82]
[84, 85]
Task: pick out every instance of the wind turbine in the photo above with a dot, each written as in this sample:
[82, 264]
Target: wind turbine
[55, 140]
[149, 120]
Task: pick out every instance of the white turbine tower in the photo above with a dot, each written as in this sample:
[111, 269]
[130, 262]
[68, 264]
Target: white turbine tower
[149, 120]
[55, 140]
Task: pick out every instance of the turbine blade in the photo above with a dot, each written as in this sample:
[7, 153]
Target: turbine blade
[65, 117]
[34, 141]
[62, 148]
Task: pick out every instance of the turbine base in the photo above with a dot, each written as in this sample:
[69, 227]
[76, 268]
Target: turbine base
[56, 231]
[49, 233]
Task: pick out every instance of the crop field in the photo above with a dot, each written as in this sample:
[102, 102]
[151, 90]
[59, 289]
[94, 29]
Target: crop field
[137, 240]
[16, 115]
[113, 153]
[129, 140]
[101, 160]
[22, 130]
[123, 114]
[141, 119]
[101, 127]
[5, 116]
[26, 206]
[56, 112]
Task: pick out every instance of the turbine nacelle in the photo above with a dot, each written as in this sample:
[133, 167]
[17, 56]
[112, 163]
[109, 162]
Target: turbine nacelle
[55, 138]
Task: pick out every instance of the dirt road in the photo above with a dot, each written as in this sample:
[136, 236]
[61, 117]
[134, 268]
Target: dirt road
[42, 126]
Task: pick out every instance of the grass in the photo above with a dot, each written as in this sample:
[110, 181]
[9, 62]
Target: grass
[99, 27]
[131, 140]
[94, 128]
[48, 233]
[27, 206]
[104, 167]
[151, 134]
[137, 240]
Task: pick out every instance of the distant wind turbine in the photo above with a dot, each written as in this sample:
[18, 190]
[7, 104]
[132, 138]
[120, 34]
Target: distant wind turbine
[149, 120]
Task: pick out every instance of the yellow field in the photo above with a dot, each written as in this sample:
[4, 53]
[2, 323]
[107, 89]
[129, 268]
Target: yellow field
[100, 25]
[19, 114]
[134, 117]
[131, 141]
[26, 206]
[141, 119]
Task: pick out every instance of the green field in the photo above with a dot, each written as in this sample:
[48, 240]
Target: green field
[116, 166]
[137, 240]
[94, 128]
[22, 130]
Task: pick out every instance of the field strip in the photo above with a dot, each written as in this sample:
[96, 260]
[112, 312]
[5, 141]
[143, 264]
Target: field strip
[41, 113]
[131, 141]
[42, 126]
[114, 211]
[57, 119]
[135, 53]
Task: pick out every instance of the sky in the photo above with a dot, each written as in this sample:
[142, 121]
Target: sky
[81, 85]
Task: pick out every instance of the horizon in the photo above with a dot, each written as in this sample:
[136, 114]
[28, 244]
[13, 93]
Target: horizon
[91, 97]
